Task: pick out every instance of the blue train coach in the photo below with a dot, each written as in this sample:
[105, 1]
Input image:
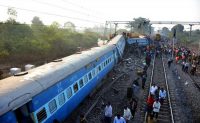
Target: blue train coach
[52, 91]
[139, 41]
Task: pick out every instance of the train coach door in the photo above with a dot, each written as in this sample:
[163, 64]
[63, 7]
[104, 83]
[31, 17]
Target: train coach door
[115, 56]
[23, 114]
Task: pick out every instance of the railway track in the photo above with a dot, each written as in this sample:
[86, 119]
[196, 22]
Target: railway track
[158, 77]
[194, 79]
[113, 91]
[195, 82]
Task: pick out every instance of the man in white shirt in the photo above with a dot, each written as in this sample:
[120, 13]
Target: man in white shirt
[162, 95]
[127, 114]
[119, 119]
[108, 113]
[153, 89]
[156, 108]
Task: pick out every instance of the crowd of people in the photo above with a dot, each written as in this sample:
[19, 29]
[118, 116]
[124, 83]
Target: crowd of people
[155, 100]
[189, 61]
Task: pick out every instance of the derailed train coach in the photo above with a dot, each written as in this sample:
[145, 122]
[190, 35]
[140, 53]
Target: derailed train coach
[142, 42]
[52, 91]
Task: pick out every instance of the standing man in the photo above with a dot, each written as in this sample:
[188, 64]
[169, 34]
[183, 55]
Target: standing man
[169, 62]
[153, 89]
[119, 119]
[127, 114]
[156, 108]
[162, 95]
[108, 113]
[150, 101]
[148, 60]
[143, 81]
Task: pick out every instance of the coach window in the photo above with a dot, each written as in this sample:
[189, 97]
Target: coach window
[102, 66]
[99, 67]
[90, 76]
[69, 92]
[81, 83]
[75, 87]
[85, 78]
[96, 70]
[93, 72]
[41, 115]
[52, 106]
[61, 99]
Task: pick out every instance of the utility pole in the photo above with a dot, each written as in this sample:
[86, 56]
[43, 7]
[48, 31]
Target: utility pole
[174, 36]
[105, 29]
[190, 30]
[150, 29]
[110, 29]
[116, 27]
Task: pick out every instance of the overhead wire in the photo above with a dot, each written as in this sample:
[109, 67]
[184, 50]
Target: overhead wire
[76, 5]
[53, 14]
[64, 8]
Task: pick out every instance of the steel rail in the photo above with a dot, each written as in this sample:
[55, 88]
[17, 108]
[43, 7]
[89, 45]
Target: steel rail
[168, 93]
[152, 73]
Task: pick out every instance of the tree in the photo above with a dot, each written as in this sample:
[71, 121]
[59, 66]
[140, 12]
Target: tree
[179, 32]
[12, 13]
[69, 25]
[179, 28]
[140, 25]
[165, 31]
[36, 21]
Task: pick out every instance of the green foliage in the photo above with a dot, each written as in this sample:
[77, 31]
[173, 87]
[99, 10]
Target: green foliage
[140, 25]
[179, 28]
[165, 31]
[183, 37]
[24, 42]
[12, 13]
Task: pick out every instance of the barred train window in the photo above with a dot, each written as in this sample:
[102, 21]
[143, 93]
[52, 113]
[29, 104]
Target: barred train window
[99, 67]
[85, 79]
[90, 76]
[69, 92]
[102, 65]
[81, 83]
[41, 115]
[52, 106]
[93, 72]
[61, 99]
[75, 87]
[96, 70]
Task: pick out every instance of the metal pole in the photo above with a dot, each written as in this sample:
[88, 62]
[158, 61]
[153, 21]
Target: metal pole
[190, 31]
[199, 47]
[173, 47]
[116, 27]
[110, 28]
[174, 36]
[149, 29]
[105, 29]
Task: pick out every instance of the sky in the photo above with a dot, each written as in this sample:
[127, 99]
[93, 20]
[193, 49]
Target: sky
[87, 13]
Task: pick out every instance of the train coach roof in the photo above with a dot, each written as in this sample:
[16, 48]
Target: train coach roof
[115, 39]
[18, 90]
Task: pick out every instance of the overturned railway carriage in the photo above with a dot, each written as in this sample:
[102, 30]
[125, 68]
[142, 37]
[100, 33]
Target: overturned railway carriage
[52, 91]
[138, 41]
